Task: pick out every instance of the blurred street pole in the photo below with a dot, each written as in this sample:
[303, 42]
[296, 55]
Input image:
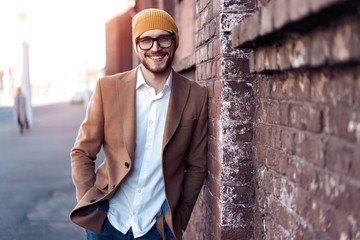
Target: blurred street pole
[26, 86]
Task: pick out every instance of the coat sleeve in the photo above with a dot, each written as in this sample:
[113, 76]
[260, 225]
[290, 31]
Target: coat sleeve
[195, 164]
[88, 144]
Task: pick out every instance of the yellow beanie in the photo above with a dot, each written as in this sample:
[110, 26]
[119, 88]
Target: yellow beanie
[152, 18]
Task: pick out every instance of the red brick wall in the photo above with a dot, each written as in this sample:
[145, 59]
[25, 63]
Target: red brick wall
[307, 144]
[225, 208]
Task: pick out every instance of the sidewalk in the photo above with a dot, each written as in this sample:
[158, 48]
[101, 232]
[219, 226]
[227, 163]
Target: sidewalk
[36, 191]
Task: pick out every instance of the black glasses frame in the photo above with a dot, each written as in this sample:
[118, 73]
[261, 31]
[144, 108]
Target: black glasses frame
[137, 40]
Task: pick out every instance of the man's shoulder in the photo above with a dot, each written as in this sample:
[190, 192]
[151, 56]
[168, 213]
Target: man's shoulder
[123, 76]
[187, 80]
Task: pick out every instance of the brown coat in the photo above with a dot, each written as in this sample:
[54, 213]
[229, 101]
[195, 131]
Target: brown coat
[110, 123]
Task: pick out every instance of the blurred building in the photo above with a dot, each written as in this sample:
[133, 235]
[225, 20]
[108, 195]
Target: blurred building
[284, 110]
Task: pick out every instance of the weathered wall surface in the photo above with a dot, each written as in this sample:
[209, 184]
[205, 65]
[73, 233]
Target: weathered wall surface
[225, 209]
[307, 143]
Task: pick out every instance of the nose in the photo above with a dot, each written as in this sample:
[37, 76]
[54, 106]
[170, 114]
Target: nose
[155, 46]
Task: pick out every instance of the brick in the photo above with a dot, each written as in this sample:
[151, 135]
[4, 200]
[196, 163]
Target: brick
[244, 32]
[229, 20]
[284, 113]
[266, 25]
[271, 159]
[283, 55]
[303, 174]
[217, 47]
[299, 54]
[302, 87]
[338, 157]
[306, 117]
[253, 26]
[310, 148]
[262, 134]
[338, 121]
[281, 13]
[252, 62]
[235, 152]
[241, 90]
[240, 5]
[298, 9]
[275, 137]
[318, 88]
[341, 50]
[232, 66]
[339, 90]
[320, 47]
[264, 87]
[288, 87]
[259, 60]
[270, 112]
[287, 141]
[243, 111]
[271, 58]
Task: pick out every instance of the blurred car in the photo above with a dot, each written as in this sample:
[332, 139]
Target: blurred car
[80, 97]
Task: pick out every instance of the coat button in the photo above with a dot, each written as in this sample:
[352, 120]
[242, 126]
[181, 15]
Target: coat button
[113, 186]
[127, 165]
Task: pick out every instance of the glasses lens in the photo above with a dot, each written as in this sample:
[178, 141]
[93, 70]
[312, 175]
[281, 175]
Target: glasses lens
[145, 43]
[165, 41]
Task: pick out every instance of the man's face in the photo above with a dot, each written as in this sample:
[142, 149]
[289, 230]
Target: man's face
[157, 59]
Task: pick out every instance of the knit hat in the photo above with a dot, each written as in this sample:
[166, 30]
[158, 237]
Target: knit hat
[150, 19]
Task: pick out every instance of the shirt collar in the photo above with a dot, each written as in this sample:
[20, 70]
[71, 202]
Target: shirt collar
[140, 80]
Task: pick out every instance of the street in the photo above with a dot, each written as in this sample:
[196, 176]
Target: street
[36, 190]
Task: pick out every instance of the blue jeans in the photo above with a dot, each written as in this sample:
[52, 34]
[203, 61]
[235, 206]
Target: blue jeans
[108, 232]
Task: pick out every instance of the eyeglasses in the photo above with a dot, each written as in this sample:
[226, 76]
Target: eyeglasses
[164, 41]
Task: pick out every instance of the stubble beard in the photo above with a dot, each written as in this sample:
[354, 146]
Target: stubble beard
[158, 69]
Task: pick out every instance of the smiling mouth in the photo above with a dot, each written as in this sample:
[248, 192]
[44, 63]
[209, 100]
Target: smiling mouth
[157, 58]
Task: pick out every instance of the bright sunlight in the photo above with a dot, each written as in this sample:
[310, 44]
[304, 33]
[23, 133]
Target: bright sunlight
[65, 38]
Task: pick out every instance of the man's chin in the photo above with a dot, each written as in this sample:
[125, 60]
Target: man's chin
[156, 69]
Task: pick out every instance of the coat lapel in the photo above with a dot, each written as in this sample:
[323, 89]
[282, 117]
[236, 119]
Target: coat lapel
[126, 103]
[178, 99]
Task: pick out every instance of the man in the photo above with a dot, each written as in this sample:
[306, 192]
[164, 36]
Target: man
[20, 110]
[152, 125]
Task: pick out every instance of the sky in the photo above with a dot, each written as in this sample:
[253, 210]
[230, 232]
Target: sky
[64, 36]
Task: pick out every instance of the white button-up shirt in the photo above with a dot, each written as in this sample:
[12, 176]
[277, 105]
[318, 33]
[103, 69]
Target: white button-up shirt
[139, 198]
